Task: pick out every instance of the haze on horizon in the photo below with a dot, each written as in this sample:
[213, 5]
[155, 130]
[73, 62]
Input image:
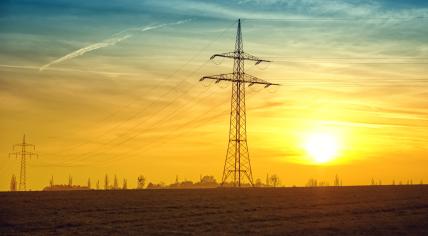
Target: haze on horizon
[354, 72]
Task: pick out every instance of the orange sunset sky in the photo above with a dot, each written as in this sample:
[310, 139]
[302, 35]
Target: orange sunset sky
[113, 88]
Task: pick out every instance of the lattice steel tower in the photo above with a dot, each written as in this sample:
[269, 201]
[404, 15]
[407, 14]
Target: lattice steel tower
[237, 166]
[23, 153]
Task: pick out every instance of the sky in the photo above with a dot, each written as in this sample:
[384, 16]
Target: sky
[113, 88]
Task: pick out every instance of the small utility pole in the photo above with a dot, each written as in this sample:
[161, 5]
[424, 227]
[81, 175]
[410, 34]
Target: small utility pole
[23, 153]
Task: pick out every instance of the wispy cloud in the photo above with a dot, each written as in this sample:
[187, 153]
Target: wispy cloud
[291, 9]
[118, 37]
[29, 67]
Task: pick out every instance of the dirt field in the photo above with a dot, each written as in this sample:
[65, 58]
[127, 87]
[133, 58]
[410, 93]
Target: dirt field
[380, 210]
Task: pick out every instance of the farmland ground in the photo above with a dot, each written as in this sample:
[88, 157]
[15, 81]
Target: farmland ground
[368, 210]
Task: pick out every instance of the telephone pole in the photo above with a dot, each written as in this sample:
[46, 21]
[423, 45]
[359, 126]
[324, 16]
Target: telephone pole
[237, 165]
[23, 153]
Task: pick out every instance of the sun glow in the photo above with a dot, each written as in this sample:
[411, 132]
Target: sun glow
[321, 147]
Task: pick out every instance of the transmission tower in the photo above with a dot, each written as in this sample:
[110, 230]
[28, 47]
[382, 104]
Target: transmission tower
[237, 165]
[23, 153]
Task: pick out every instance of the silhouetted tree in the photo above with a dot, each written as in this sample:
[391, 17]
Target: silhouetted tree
[70, 181]
[337, 181]
[89, 183]
[13, 185]
[161, 184]
[274, 180]
[115, 183]
[208, 180]
[393, 182]
[267, 180]
[125, 184]
[98, 184]
[141, 181]
[106, 184]
[51, 182]
[312, 183]
[259, 183]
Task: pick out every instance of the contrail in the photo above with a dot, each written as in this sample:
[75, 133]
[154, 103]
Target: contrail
[108, 42]
[95, 46]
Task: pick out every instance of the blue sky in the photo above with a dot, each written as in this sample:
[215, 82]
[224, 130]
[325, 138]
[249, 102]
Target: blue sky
[26, 24]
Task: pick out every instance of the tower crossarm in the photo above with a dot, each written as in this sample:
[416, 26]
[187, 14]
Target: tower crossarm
[14, 154]
[239, 55]
[20, 145]
[243, 78]
[30, 154]
[26, 153]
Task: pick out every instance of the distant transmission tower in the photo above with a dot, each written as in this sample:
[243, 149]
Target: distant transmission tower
[237, 164]
[23, 153]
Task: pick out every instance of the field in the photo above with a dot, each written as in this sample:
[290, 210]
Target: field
[378, 210]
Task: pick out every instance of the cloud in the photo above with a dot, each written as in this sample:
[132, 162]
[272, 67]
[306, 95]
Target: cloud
[118, 37]
[29, 67]
[292, 9]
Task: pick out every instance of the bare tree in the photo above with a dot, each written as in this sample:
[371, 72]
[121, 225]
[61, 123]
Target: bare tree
[89, 183]
[259, 183]
[337, 181]
[207, 179]
[13, 185]
[106, 186]
[312, 183]
[141, 181]
[274, 179]
[125, 184]
[115, 183]
[267, 180]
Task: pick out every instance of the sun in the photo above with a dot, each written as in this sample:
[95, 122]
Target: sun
[321, 147]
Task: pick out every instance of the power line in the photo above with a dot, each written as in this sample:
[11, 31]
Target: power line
[132, 137]
[338, 19]
[195, 122]
[179, 129]
[176, 128]
[209, 44]
[347, 58]
[347, 62]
